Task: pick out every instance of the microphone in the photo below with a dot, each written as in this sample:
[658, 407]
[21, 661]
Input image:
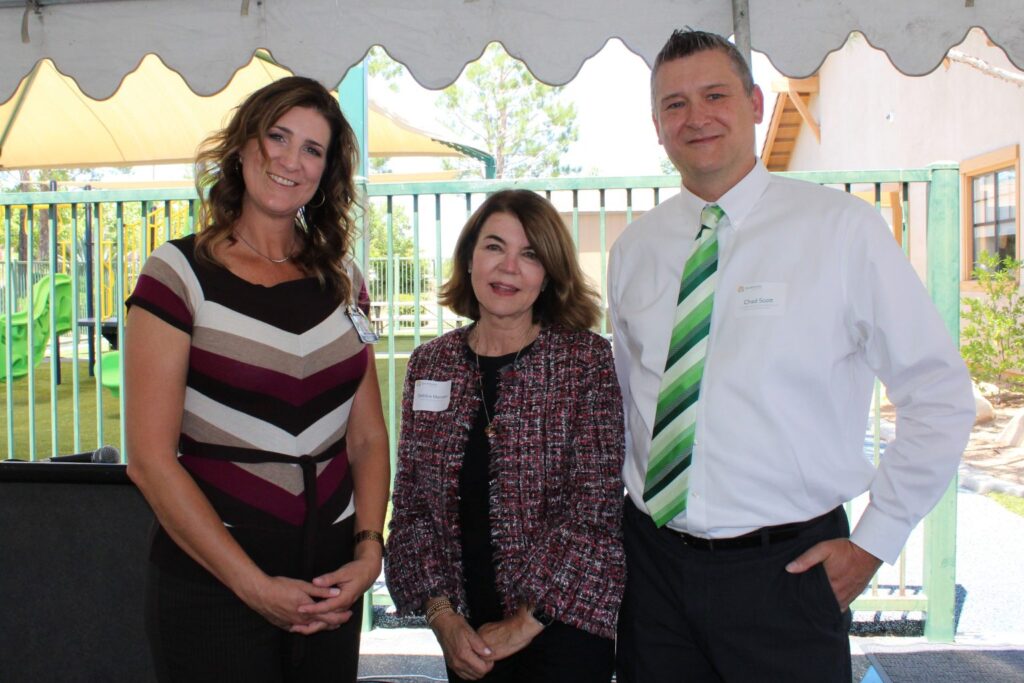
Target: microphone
[106, 455]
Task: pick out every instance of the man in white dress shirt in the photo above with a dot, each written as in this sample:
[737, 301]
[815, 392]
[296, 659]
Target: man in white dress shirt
[750, 574]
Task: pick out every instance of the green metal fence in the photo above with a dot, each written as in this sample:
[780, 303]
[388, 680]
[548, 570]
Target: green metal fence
[101, 238]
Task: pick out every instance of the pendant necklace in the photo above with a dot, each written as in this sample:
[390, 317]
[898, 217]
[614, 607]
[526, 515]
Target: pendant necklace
[490, 430]
[260, 253]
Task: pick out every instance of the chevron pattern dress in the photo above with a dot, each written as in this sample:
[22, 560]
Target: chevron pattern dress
[271, 378]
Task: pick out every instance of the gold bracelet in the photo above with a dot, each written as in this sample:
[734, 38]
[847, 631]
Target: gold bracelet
[370, 535]
[436, 607]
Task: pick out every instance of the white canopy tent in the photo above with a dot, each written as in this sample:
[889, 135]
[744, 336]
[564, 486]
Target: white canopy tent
[97, 42]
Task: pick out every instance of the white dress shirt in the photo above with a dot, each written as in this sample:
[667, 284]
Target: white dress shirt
[814, 299]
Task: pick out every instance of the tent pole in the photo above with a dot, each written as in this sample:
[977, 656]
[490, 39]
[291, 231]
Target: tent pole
[741, 27]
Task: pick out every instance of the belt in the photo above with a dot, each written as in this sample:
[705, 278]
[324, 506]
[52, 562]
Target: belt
[758, 538]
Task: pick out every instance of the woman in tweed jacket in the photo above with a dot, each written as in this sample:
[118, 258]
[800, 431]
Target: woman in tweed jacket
[508, 497]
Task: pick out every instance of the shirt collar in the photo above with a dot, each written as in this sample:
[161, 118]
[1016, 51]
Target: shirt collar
[738, 201]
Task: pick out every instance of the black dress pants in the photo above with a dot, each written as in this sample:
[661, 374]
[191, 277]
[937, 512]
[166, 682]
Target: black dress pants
[734, 615]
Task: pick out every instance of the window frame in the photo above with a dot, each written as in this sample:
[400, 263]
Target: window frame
[984, 164]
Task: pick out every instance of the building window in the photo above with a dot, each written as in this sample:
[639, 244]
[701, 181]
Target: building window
[991, 199]
[994, 220]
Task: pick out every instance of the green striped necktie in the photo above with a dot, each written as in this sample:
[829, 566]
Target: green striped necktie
[668, 470]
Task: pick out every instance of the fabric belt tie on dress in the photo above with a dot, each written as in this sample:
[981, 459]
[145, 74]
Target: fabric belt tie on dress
[763, 537]
[308, 465]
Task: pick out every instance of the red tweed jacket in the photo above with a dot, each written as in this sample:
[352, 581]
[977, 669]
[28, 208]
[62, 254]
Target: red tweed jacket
[556, 491]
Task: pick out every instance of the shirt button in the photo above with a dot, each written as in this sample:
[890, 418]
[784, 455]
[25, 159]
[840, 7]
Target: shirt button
[694, 494]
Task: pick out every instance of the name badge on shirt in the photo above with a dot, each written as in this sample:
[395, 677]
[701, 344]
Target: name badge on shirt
[431, 395]
[362, 325]
[760, 299]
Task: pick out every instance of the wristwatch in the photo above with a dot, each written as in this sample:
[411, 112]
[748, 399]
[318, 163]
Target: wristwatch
[544, 619]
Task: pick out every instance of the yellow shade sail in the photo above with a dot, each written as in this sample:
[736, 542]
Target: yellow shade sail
[153, 118]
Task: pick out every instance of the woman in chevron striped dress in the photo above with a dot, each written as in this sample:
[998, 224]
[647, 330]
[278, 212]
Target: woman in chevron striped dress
[253, 412]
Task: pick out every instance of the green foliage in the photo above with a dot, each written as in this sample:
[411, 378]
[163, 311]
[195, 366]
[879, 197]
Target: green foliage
[1014, 504]
[402, 250]
[511, 115]
[992, 332]
[380, 66]
[400, 226]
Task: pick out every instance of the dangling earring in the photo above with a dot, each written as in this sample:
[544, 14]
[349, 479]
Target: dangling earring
[300, 220]
[544, 285]
[323, 198]
[469, 270]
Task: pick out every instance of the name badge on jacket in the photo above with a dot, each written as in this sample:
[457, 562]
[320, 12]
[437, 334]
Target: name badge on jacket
[760, 298]
[431, 395]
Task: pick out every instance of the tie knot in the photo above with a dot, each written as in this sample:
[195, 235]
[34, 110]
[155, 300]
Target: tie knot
[710, 216]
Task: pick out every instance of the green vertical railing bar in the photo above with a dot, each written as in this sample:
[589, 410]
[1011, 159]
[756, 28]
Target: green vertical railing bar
[147, 237]
[905, 227]
[944, 286]
[392, 307]
[29, 221]
[51, 267]
[167, 222]
[118, 313]
[438, 262]
[603, 234]
[576, 218]
[8, 350]
[416, 268]
[876, 445]
[97, 309]
[76, 425]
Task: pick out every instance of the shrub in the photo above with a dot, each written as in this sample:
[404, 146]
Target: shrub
[992, 328]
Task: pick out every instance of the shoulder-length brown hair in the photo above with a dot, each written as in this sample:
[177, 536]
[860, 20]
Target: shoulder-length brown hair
[329, 228]
[568, 299]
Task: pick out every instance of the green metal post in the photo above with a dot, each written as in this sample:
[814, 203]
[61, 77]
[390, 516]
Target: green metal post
[119, 315]
[76, 219]
[352, 98]
[8, 347]
[97, 329]
[416, 267]
[603, 237]
[943, 282]
[29, 219]
[53, 223]
[438, 263]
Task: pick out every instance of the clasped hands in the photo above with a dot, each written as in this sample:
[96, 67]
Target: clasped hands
[472, 654]
[310, 607]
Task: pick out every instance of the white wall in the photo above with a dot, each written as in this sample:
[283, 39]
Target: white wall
[874, 117]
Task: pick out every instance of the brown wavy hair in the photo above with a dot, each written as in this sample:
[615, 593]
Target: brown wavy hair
[326, 241]
[568, 299]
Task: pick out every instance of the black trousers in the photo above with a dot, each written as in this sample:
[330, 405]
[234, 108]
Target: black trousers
[559, 654]
[199, 631]
[733, 615]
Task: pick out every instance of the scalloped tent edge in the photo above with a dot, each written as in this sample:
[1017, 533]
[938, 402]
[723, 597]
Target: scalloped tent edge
[97, 42]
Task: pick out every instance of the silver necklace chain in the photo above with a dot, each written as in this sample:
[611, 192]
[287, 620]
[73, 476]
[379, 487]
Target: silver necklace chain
[260, 253]
[489, 429]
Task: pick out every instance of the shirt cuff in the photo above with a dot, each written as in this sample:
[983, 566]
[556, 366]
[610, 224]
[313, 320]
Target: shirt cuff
[880, 535]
